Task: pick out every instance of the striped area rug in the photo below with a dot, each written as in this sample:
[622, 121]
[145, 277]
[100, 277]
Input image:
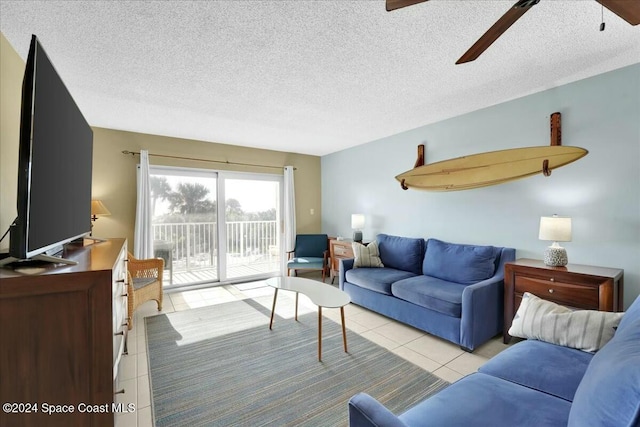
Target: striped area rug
[222, 366]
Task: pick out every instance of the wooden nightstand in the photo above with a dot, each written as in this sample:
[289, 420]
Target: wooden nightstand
[575, 286]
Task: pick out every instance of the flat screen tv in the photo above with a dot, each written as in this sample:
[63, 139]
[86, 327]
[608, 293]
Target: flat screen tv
[54, 165]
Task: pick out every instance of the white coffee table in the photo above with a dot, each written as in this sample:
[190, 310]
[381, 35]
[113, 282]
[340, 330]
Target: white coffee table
[319, 293]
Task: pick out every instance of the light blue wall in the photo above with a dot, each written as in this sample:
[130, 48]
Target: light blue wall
[601, 191]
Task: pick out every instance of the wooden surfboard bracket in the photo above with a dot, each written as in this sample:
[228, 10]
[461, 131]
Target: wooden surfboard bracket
[556, 131]
[419, 162]
[556, 139]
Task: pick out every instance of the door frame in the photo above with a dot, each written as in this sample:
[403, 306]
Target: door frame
[221, 233]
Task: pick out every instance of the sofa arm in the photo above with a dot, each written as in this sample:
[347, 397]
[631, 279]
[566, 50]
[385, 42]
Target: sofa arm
[365, 411]
[482, 312]
[345, 265]
[483, 306]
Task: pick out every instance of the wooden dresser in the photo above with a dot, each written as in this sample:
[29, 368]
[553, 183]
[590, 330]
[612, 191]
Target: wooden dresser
[63, 333]
[575, 286]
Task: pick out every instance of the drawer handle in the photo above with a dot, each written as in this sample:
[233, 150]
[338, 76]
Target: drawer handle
[125, 295]
[121, 391]
[118, 333]
[120, 281]
[552, 280]
[550, 291]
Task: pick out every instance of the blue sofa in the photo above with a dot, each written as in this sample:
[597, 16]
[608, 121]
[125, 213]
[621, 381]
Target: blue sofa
[450, 290]
[533, 383]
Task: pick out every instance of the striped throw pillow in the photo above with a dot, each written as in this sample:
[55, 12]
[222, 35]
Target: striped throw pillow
[366, 256]
[586, 330]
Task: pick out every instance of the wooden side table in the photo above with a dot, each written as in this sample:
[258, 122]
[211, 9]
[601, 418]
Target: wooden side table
[575, 286]
[339, 249]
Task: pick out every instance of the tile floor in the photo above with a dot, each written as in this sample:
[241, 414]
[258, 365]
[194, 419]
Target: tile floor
[444, 359]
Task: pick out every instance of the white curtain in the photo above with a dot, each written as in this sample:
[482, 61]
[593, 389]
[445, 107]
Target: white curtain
[143, 241]
[289, 210]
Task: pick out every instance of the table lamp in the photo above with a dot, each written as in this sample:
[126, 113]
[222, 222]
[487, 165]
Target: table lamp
[556, 229]
[357, 222]
[98, 209]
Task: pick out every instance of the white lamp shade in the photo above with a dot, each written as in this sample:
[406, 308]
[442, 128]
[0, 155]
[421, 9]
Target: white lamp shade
[555, 228]
[357, 221]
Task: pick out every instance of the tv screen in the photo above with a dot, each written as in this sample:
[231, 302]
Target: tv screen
[55, 163]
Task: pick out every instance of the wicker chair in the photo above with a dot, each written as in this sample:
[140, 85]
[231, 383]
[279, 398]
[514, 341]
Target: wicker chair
[145, 282]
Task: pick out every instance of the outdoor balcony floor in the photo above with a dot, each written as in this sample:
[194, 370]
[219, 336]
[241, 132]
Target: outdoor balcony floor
[210, 274]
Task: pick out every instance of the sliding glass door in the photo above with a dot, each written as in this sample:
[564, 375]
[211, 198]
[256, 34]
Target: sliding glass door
[184, 205]
[252, 218]
[205, 241]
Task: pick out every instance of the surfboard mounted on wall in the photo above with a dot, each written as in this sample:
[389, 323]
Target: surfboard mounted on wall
[492, 168]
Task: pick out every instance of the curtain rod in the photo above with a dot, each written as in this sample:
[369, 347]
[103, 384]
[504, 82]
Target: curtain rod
[226, 162]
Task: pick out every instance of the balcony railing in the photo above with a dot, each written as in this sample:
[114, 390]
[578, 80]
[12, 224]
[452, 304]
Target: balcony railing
[193, 245]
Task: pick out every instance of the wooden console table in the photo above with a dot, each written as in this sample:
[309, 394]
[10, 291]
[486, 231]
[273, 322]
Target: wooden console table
[576, 286]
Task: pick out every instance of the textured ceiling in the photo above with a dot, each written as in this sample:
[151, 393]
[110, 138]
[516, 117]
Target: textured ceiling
[310, 77]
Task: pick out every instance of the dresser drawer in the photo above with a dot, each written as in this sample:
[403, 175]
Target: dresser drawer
[119, 309]
[340, 251]
[575, 295]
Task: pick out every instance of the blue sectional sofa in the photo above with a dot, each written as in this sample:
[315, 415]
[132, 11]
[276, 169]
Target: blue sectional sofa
[450, 290]
[533, 383]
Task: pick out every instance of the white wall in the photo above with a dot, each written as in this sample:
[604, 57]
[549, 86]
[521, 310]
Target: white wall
[601, 191]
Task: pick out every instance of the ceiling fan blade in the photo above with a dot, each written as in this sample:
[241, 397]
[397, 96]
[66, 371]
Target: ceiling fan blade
[492, 34]
[625, 9]
[397, 4]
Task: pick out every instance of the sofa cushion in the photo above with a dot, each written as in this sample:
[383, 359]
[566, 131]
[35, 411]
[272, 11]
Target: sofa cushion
[366, 256]
[432, 293]
[541, 366]
[141, 282]
[631, 315]
[302, 263]
[459, 263]
[609, 393]
[376, 279]
[482, 400]
[401, 253]
[544, 320]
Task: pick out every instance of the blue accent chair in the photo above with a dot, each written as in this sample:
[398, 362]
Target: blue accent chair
[310, 253]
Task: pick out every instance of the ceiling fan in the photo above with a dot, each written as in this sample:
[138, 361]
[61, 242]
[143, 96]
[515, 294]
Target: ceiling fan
[629, 10]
